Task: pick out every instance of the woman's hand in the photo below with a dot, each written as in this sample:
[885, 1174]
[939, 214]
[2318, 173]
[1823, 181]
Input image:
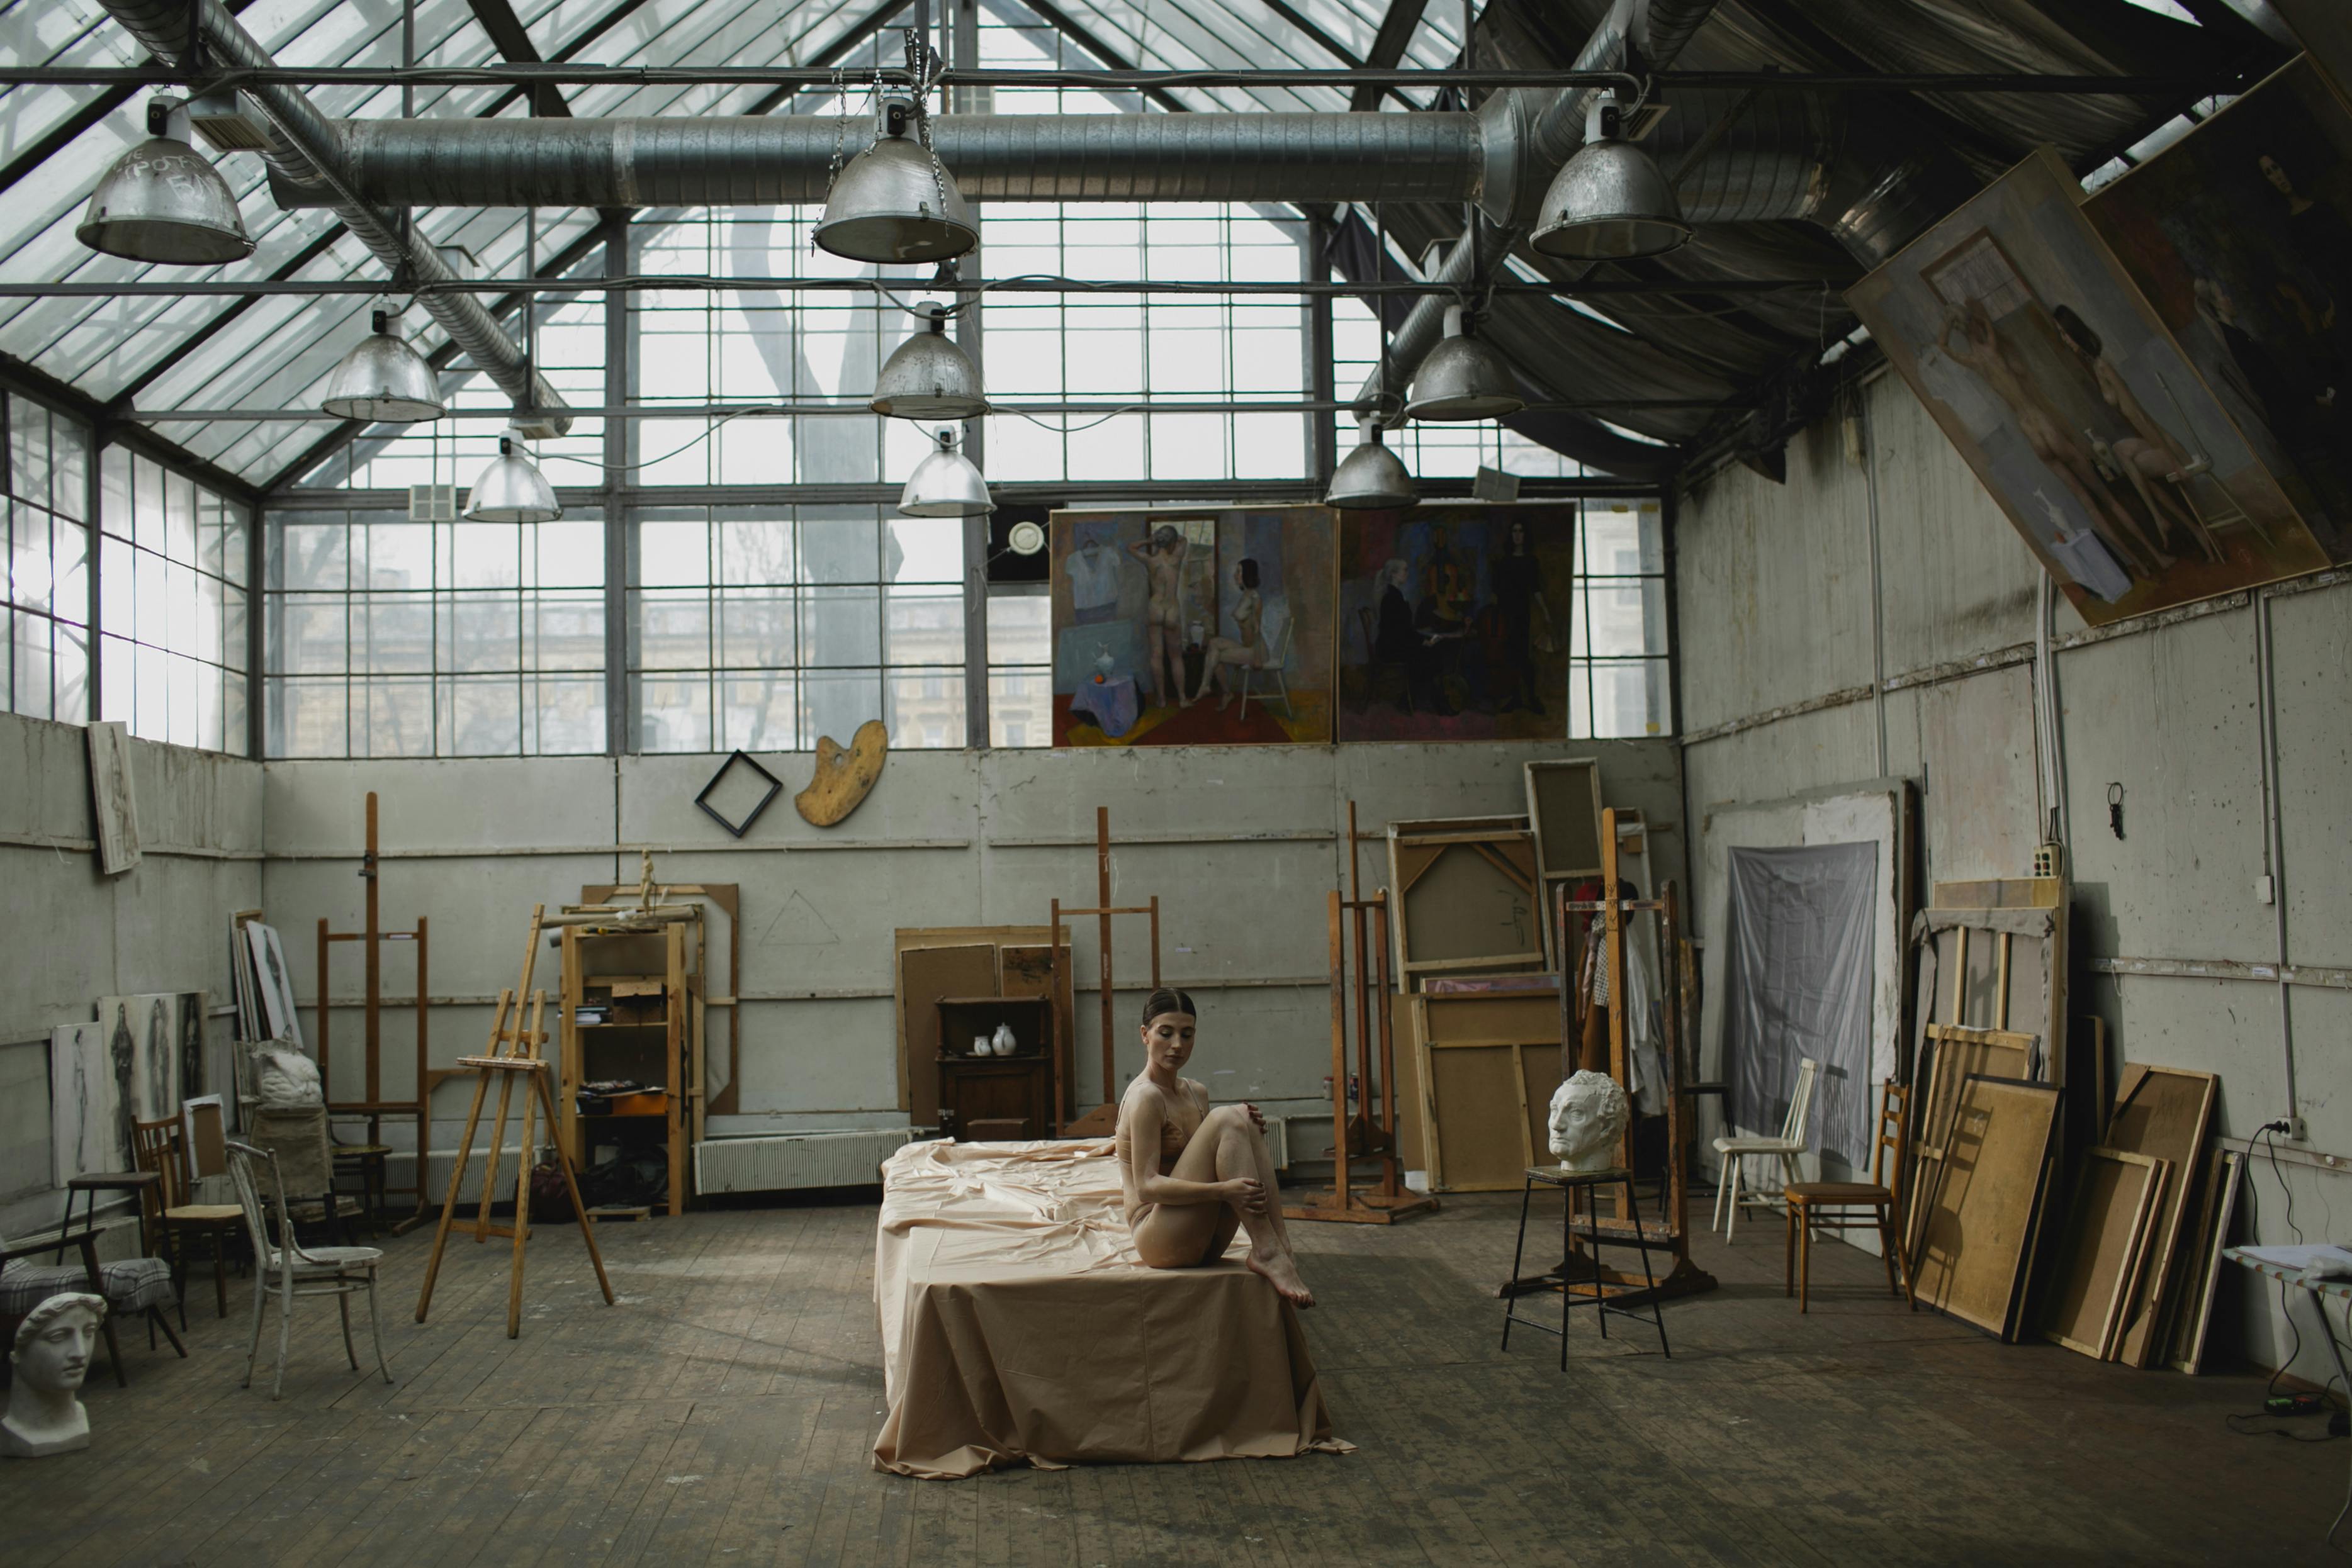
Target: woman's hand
[1255, 1114]
[1247, 1192]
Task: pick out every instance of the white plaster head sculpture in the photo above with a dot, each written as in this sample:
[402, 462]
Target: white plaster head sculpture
[1588, 1116]
[50, 1358]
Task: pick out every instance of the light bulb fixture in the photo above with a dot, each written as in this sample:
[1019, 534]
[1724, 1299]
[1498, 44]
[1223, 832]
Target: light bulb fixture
[511, 490]
[1462, 378]
[895, 203]
[1371, 478]
[1609, 202]
[928, 376]
[163, 201]
[946, 484]
[384, 380]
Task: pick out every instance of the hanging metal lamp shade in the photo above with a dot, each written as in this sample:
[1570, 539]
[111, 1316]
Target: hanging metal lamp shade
[1462, 378]
[1611, 202]
[164, 203]
[1370, 478]
[384, 380]
[929, 377]
[946, 484]
[895, 203]
[511, 490]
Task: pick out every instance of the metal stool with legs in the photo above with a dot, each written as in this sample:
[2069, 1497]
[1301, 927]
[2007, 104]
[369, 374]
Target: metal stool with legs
[1592, 1181]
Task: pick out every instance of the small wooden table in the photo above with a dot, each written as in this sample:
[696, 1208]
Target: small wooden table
[96, 1182]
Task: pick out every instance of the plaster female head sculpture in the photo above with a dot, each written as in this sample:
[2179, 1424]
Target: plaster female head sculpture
[50, 1357]
[1587, 1117]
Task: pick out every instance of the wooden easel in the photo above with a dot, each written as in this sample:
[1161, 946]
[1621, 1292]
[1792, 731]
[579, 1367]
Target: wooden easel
[1580, 1273]
[1102, 1121]
[513, 1053]
[372, 1104]
[1366, 1135]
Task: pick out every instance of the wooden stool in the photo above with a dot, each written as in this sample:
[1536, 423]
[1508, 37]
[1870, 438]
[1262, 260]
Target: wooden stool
[1553, 1176]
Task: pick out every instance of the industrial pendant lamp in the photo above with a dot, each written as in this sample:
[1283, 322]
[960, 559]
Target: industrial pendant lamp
[1611, 202]
[894, 203]
[1462, 378]
[384, 380]
[946, 484]
[1371, 477]
[164, 203]
[929, 377]
[511, 490]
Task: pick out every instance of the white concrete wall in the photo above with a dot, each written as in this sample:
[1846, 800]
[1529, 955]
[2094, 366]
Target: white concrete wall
[69, 936]
[1777, 612]
[1240, 844]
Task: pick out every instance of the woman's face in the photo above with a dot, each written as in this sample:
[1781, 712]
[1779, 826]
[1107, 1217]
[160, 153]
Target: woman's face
[1519, 535]
[2276, 175]
[1167, 1040]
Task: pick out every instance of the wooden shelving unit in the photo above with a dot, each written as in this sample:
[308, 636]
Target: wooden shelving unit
[1015, 1092]
[649, 972]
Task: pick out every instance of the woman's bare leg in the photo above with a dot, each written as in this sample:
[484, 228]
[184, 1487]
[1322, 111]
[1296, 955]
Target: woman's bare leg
[1176, 1236]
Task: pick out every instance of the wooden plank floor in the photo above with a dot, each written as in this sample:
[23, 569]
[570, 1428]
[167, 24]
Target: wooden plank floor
[724, 1411]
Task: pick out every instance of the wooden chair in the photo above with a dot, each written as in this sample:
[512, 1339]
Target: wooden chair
[1832, 1205]
[1796, 1129]
[170, 1208]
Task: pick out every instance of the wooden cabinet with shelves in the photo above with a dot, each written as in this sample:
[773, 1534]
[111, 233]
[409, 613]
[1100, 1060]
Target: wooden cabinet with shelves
[644, 990]
[996, 1097]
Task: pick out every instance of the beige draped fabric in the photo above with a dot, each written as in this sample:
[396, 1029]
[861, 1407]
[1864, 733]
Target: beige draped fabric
[1018, 1324]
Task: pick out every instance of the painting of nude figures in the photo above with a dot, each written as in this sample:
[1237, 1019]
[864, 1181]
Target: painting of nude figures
[1198, 626]
[2084, 418]
[2240, 236]
[1454, 622]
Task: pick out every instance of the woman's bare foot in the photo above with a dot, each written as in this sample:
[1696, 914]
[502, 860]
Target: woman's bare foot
[1224, 701]
[1280, 1270]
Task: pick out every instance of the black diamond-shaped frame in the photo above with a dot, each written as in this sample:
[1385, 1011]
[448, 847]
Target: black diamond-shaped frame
[775, 788]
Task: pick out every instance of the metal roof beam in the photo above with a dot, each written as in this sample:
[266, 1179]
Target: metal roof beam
[32, 381]
[512, 40]
[1389, 45]
[1070, 27]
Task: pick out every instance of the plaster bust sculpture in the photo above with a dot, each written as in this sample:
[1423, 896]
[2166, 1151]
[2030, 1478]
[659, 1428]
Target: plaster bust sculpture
[1588, 1116]
[51, 1356]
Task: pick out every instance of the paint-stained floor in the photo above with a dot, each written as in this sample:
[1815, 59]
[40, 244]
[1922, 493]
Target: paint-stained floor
[724, 1410]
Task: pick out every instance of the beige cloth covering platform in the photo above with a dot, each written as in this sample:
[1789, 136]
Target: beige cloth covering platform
[1018, 1324]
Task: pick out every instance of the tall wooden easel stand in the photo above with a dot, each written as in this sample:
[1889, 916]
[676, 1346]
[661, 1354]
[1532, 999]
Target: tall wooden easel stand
[372, 1104]
[1583, 1272]
[1370, 1134]
[513, 1054]
[1102, 1121]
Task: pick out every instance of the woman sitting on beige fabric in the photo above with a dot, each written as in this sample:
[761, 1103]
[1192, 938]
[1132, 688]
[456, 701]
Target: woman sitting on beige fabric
[1190, 1174]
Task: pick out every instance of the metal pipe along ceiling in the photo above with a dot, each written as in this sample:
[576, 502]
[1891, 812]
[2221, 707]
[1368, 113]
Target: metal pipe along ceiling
[779, 159]
[307, 147]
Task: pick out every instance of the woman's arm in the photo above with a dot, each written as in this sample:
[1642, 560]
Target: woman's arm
[1143, 1117]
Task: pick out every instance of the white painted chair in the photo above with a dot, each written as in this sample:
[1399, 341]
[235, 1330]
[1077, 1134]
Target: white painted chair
[1734, 1152]
[1276, 665]
[291, 1269]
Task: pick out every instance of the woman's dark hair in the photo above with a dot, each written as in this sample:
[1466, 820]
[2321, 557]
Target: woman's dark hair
[1249, 572]
[2078, 331]
[1164, 1001]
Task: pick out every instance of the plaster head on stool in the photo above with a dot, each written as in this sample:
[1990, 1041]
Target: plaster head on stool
[1588, 1116]
[51, 1356]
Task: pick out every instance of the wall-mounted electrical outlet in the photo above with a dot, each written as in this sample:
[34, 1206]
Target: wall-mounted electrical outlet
[2296, 1132]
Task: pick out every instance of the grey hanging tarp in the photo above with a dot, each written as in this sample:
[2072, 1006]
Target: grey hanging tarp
[1798, 980]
